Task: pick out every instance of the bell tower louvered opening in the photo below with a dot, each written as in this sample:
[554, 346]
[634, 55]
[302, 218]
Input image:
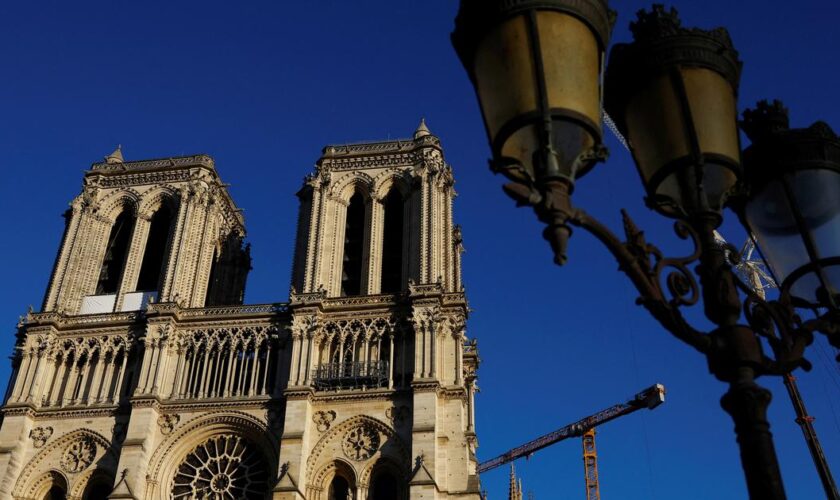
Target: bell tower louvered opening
[354, 229]
[151, 269]
[113, 265]
[392, 242]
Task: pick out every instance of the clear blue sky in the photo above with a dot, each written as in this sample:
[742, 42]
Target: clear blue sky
[262, 86]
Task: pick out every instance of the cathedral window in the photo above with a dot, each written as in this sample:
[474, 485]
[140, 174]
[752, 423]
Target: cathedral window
[110, 274]
[225, 466]
[155, 252]
[354, 229]
[392, 242]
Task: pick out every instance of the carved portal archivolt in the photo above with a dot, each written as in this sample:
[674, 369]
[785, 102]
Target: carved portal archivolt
[366, 443]
[225, 455]
[68, 461]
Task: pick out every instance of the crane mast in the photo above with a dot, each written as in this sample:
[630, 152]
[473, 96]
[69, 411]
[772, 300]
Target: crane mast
[649, 398]
[590, 466]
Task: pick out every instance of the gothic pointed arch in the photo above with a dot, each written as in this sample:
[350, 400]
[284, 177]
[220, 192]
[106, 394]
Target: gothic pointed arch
[356, 182]
[159, 196]
[335, 480]
[117, 202]
[384, 479]
[187, 451]
[117, 247]
[51, 485]
[392, 179]
[75, 454]
[359, 441]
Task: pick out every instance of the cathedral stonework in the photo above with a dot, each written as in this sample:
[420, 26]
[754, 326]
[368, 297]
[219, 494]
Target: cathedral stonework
[144, 376]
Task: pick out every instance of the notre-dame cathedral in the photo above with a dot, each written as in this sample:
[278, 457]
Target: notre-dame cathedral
[144, 376]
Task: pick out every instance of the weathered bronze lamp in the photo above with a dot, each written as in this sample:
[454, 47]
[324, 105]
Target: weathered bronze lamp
[672, 93]
[793, 205]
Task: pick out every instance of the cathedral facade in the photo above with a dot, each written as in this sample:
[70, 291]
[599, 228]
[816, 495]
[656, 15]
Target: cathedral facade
[145, 377]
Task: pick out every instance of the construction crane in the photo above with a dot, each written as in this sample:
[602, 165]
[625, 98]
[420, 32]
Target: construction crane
[649, 398]
[590, 466]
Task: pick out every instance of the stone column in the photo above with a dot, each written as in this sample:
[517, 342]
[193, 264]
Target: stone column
[185, 208]
[61, 368]
[295, 369]
[72, 379]
[377, 225]
[22, 374]
[36, 378]
[391, 360]
[67, 244]
[108, 373]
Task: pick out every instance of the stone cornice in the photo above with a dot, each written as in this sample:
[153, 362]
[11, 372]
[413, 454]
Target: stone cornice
[356, 395]
[179, 169]
[378, 147]
[396, 153]
[216, 404]
[425, 385]
[62, 413]
[453, 392]
[417, 294]
[112, 322]
[199, 160]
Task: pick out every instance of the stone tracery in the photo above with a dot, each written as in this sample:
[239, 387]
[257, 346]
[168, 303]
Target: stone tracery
[222, 362]
[79, 455]
[224, 467]
[361, 442]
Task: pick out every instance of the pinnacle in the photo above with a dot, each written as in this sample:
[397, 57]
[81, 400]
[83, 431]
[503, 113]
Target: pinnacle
[116, 156]
[422, 129]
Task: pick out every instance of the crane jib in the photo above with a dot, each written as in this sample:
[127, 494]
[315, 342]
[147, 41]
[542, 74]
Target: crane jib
[649, 398]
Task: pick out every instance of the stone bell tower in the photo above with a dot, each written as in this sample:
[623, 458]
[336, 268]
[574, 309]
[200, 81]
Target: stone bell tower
[156, 230]
[380, 398]
[144, 377]
[95, 372]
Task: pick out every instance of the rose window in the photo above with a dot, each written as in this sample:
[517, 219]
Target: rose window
[361, 443]
[223, 467]
[79, 455]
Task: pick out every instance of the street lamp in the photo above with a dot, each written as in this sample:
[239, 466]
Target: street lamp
[793, 207]
[673, 93]
[535, 65]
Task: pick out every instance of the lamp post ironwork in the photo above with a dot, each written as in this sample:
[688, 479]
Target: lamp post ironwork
[538, 70]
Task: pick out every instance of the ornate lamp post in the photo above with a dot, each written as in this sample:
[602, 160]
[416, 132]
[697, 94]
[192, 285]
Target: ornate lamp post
[536, 67]
[794, 204]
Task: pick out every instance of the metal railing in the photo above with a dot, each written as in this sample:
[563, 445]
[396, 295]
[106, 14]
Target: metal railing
[349, 374]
